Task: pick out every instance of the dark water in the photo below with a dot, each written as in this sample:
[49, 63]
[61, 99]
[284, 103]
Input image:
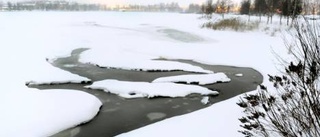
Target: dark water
[119, 115]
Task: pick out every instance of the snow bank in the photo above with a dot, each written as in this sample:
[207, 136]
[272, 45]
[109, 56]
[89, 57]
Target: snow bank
[201, 79]
[118, 59]
[220, 119]
[49, 74]
[43, 113]
[144, 89]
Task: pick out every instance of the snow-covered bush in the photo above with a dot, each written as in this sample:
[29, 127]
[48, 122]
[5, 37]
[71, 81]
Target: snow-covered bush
[293, 109]
[235, 24]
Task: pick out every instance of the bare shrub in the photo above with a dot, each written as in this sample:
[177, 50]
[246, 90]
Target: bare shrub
[232, 24]
[293, 110]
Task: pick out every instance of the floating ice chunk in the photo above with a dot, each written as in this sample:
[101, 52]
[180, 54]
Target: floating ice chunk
[205, 100]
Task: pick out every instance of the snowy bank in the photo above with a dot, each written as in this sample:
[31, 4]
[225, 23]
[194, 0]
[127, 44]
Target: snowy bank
[43, 113]
[220, 119]
[117, 59]
[144, 89]
[199, 79]
[50, 75]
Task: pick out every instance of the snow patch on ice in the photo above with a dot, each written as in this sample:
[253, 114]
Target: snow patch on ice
[239, 75]
[69, 65]
[128, 89]
[205, 100]
[197, 79]
[156, 116]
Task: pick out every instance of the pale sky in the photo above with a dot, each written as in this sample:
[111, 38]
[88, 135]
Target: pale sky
[183, 3]
[143, 2]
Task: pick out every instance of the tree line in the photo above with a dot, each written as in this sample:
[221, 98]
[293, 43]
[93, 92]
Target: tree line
[62, 5]
[49, 5]
[220, 7]
[285, 8]
[161, 7]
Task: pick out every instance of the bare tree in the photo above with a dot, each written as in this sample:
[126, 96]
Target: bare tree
[310, 6]
[207, 9]
[296, 9]
[260, 7]
[222, 7]
[270, 9]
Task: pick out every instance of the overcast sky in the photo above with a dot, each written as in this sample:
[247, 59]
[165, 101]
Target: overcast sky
[142, 2]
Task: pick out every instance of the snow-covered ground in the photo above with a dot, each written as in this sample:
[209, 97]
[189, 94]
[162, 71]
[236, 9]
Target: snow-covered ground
[43, 113]
[126, 37]
[136, 62]
[129, 89]
[199, 79]
[26, 40]
[52, 75]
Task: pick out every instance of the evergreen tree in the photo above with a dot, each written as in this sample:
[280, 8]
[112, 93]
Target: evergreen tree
[207, 9]
[260, 6]
[10, 6]
[245, 7]
[270, 9]
[291, 8]
[285, 8]
[296, 8]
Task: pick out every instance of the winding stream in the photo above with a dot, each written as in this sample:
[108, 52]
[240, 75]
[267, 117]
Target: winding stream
[119, 115]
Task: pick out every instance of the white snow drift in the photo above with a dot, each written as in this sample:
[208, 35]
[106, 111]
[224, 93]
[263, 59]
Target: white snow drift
[35, 113]
[201, 79]
[49, 74]
[128, 89]
[132, 61]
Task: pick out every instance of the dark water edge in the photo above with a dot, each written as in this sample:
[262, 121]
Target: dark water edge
[119, 115]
